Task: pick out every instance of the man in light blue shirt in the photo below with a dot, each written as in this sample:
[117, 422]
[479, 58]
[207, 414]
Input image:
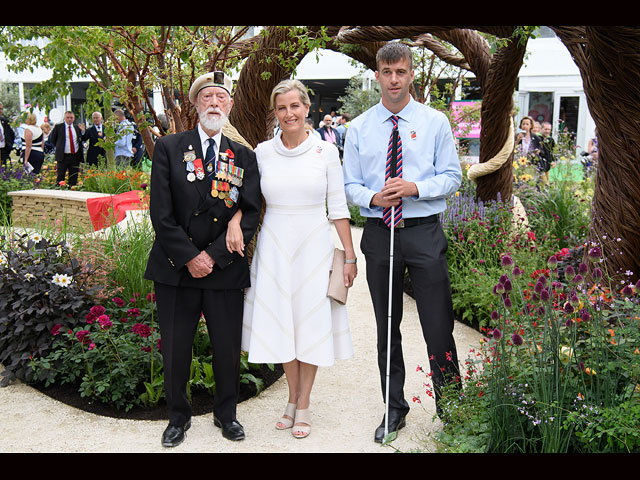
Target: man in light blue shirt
[428, 171]
[124, 151]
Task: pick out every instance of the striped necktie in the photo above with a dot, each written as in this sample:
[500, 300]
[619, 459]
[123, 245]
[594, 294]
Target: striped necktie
[209, 163]
[386, 214]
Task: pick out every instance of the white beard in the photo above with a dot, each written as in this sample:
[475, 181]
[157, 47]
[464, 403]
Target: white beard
[212, 124]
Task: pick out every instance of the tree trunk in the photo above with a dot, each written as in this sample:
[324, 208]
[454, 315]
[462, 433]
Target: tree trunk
[609, 63]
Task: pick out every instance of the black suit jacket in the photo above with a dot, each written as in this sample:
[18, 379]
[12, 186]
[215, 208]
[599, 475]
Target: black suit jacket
[93, 151]
[9, 136]
[187, 219]
[57, 138]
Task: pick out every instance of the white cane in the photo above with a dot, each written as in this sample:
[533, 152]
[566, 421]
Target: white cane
[386, 415]
[392, 228]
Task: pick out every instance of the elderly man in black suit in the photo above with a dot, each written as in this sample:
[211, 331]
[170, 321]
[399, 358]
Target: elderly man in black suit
[66, 137]
[95, 153]
[199, 179]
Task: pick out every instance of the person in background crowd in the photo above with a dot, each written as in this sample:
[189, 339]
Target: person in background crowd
[32, 145]
[308, 124]
[46, 130]
[95, 133]
[124, 131]
[7, 137]
[342, 125]
[66, 137]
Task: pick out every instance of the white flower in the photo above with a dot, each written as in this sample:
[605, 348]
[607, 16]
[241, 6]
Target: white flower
[3, 260]
[62, 280]
[29, 276]
[36, 238]
[58, 251]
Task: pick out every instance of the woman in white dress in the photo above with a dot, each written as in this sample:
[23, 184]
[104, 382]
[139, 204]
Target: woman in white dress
[288, 317]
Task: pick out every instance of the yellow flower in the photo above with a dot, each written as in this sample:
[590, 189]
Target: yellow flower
[588, 371]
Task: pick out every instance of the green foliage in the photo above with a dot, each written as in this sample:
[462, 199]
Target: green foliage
[41, 286]
[11, 180]
[477, 234]
[356, 99]
[112, 358]
[558, 374]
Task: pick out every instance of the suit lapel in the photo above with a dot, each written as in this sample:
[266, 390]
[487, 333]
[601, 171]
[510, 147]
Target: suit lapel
[191, 142]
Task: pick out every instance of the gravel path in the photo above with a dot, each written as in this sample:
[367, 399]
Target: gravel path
[346, 405]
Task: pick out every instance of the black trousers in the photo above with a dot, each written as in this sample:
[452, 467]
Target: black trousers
[179, 310]
[69, 163]
[420, 249]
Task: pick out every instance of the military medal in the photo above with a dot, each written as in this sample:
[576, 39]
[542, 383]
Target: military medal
[191, 177]
[197, 163]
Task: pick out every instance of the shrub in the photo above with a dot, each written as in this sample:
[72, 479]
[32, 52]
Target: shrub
[11, 180]
[111, 357]
[41, 286]
[560, 372]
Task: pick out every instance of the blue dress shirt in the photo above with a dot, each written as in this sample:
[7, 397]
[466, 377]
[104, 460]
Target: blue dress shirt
[429, 158]
[125, 131]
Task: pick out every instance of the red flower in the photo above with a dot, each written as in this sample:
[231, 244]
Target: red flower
[141, 329]
[229, 153]
[56, 329]
[118, 301]
[83, 336]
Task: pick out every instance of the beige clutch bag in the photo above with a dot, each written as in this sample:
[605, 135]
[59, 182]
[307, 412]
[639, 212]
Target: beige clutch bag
[337, 290]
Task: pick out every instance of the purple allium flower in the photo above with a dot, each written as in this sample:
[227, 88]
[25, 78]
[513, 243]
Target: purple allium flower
[552, 262]
[583, 268]
[497, 334]
[506, 261]
[516, 339]
[507, 301]
[585, 316]
[567, 308]
[495, 315]
[545, 295]
[538, 287]
[569, 273]
[597, 273]
[594, 254]
[508, 286]
[627, 291]
[499, 288]
[577, 279]
[541, 310]
[517, 272]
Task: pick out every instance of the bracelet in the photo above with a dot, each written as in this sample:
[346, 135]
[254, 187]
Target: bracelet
[355, 260]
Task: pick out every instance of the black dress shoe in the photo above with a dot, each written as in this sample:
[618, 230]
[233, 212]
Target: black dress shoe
[173, 435]
[230, 430]
[396, 422]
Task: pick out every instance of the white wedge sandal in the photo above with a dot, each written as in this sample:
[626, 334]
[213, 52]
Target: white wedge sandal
[284, 422]
[304, 417]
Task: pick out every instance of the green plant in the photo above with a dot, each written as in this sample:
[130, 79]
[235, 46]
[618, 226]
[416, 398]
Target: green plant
[113, 358]
[41, 286]
[12, 179]
[569, 344]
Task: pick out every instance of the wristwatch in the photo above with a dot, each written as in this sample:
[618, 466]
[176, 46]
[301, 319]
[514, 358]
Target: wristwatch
[354, 260]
